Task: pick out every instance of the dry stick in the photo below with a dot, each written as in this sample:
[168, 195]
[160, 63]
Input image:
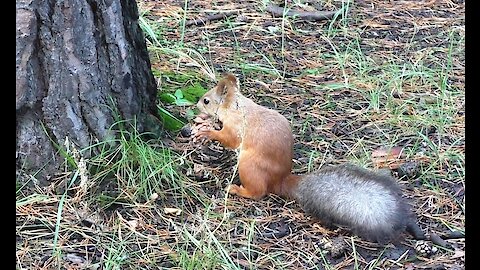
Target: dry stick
[214, 17]
[306, 15]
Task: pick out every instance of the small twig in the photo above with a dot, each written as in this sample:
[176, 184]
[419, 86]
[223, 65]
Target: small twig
[214, 17]
[306, 15]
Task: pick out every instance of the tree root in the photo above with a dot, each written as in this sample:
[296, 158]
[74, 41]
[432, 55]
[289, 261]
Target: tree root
[214, 17]
[277, 11]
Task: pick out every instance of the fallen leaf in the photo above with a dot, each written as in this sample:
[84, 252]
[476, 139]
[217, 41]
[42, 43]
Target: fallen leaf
[175, 211]
[154, 196]
[133, 224]
[388, 157]
[74, 258]
[458, 254]
[373, 24]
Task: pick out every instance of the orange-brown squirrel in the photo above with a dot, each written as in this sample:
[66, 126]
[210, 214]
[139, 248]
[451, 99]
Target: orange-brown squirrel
[369, 203]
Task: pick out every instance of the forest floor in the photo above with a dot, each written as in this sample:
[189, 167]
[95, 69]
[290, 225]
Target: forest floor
[379, 75]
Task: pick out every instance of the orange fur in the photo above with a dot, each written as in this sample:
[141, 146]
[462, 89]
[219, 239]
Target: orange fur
[263, 137]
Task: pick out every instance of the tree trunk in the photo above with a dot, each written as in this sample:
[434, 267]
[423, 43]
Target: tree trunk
[79, 63]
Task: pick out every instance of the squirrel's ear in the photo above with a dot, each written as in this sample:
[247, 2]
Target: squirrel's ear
[231, 79]
[228, 84]
[221, 88]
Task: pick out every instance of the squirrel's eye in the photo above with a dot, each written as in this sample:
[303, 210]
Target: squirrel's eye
[206, 101]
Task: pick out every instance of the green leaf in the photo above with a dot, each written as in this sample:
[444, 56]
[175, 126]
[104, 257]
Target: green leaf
[178, 94]
[190, 114]
[193, 92]
[167, 98]
[183, 102]
[169, 121]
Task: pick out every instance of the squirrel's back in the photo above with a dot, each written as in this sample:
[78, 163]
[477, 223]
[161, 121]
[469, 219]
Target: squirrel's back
[369, 203]
[262, 123]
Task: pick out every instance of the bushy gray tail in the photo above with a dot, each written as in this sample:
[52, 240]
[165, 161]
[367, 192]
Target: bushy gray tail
[369, 203]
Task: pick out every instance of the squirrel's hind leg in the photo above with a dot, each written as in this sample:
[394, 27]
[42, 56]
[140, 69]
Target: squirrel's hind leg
[253, 181]
[243, 192]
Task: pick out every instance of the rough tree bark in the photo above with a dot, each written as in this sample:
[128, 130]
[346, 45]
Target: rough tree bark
[73, 57]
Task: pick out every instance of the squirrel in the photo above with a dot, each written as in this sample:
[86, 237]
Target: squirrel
[370, 204]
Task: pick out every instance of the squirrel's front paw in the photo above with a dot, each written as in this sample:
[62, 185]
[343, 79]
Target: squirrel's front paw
[201, 131]
[201, 135]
